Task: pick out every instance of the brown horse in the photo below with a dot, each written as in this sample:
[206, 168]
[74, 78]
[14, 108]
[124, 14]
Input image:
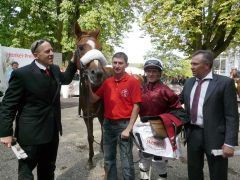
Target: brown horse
[93, 69]
[91, 63]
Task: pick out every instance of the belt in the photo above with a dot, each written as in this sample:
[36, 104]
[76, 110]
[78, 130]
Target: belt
[117, 120]
[194, 126]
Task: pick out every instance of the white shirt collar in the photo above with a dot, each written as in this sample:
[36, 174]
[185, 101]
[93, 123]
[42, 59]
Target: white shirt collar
[40, 65]
[208, 76]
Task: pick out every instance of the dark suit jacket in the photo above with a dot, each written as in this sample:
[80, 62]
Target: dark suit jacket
[220, 111]
[34, 100]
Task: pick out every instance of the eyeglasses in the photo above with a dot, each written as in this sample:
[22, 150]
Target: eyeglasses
[37, 44]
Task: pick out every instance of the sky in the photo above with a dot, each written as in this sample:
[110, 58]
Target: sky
[135, 45]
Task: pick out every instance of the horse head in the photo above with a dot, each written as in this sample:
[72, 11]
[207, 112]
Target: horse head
[88, 57]
[93, 63]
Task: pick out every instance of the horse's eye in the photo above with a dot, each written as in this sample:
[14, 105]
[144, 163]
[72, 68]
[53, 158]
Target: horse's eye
[92, 72]
[81, 47]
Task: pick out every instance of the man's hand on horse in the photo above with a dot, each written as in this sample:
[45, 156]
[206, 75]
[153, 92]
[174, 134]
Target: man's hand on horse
[75, 57]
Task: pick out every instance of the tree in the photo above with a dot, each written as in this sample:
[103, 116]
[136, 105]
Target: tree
[23, 21]
[192, 25]
[173, 65]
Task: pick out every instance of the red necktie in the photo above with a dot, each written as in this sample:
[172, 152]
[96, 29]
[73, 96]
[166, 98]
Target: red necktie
[47, 72]
[194, 110]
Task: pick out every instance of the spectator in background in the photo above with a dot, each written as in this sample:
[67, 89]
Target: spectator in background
[14, 66]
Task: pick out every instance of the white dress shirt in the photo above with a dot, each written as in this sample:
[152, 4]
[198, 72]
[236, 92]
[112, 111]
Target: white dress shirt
[204, 87]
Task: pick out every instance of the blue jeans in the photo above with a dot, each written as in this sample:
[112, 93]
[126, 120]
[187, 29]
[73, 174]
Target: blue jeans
[111, 137]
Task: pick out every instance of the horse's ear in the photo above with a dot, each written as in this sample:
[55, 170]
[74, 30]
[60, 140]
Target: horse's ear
[95, 33]
[77, 30]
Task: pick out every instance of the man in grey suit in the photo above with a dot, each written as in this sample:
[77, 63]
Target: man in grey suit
[213, 117]
[33, 99]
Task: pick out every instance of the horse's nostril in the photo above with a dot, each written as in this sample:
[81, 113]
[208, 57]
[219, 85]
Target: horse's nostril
[99, 75]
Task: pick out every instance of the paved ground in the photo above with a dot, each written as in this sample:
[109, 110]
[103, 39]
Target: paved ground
[73, 154]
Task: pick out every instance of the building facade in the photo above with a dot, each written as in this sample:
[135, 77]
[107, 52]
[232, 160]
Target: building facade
[226, 61]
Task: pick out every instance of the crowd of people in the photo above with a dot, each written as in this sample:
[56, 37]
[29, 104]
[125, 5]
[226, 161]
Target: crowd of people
[179, 80]
[209, 117]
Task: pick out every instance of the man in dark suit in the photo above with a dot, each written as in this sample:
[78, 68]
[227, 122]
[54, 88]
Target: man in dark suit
[33, 99]
[213, 118]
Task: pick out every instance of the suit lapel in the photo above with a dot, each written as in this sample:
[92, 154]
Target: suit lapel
[211, 86]
[38, 75]
[56, 76]
[41, 91]
[188, 91]
[39, 87]
[55, 73]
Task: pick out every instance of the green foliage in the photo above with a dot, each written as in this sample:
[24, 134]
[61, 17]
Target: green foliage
[173, 64]
[137, 65]
[24, 21]
[192, 25]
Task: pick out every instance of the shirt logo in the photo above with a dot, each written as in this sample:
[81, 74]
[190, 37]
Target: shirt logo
[124, 93]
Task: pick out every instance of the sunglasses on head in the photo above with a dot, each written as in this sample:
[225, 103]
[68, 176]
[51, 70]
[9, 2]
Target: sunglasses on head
[37, 44]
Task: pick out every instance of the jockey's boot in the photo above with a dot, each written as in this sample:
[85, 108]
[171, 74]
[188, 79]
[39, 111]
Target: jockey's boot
[144, 175]
[162, 177]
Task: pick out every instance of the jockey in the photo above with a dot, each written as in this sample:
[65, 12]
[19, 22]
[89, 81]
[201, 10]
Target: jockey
[157, 99]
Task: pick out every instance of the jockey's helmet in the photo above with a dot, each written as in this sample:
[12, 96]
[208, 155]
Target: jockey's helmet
[153, 62]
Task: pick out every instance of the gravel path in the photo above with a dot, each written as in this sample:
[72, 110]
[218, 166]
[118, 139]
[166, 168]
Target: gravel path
[73, 154]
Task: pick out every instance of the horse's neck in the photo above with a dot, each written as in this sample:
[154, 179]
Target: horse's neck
[108, 72]
[94, 88]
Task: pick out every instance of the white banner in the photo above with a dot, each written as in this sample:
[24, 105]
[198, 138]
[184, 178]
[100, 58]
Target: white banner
[22, 56]
[3, 83]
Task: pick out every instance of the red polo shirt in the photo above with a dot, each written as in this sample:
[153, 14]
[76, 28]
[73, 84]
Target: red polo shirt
[119, 96]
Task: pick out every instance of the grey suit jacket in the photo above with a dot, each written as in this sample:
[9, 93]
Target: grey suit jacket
[220, 111]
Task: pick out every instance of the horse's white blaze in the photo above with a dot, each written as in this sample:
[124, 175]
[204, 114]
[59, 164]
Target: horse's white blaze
[94, 68]
[91, 43]
[96, 62]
